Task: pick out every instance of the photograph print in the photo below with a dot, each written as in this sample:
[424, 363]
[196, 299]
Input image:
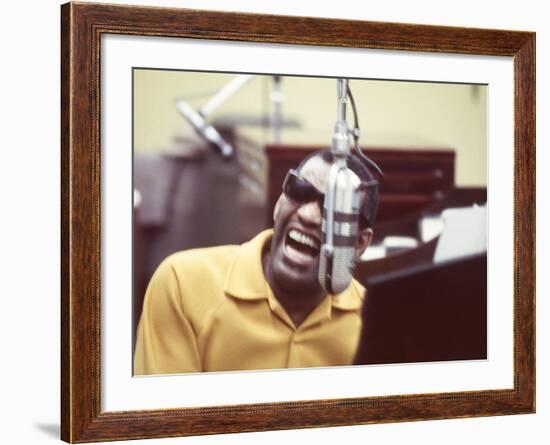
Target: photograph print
[295, 222]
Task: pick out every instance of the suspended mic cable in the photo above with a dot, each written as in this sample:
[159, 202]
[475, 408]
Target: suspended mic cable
[356, 132]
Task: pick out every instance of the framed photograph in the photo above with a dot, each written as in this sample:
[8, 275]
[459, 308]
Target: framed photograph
[201, 292]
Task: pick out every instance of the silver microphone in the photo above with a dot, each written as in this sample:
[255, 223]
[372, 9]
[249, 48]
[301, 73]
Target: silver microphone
[340, 210]
[203, 128]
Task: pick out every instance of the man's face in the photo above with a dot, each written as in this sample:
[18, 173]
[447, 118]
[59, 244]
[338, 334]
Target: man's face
[297, 235]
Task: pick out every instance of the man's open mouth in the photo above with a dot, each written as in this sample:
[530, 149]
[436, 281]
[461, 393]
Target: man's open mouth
[301, 246]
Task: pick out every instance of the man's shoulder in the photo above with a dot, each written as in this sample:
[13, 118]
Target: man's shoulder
[202, 259]
[207, 261]
[202, 268]
[194, 279]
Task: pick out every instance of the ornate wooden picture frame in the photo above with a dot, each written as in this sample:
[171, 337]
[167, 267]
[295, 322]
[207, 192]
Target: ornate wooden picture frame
[82, 26]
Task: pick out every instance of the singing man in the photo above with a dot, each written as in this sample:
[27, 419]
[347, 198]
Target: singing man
[258, 305]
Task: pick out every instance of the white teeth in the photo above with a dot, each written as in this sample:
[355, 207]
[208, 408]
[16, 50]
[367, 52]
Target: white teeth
[302, 238]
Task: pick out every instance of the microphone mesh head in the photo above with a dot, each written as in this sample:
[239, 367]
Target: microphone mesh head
[335, 271]
[341, 268]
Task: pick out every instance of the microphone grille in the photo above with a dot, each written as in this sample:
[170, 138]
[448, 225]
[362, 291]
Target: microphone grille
[342, 268]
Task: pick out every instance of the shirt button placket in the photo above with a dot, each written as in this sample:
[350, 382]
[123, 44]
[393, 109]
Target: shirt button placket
[293, 349]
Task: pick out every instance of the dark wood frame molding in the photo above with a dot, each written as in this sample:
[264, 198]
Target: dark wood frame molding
[82, 25]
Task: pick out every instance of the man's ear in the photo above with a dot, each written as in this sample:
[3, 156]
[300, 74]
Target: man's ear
[363, 241]
[277, 208]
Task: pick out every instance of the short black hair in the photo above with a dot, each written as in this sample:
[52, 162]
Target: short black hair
[369, 206]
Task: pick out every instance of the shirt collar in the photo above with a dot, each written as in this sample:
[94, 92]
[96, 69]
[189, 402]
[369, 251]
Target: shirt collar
[245, 279]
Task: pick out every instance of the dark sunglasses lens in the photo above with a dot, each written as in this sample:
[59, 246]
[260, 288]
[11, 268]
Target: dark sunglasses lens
[299, 190]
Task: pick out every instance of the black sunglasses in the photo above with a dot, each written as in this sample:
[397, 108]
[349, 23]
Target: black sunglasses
[302, 191]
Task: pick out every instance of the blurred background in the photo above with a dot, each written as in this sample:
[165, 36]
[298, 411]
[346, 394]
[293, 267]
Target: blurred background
[391, 113]
[211, 151]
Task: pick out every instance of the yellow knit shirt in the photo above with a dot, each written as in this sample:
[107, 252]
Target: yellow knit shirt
[211, 309]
